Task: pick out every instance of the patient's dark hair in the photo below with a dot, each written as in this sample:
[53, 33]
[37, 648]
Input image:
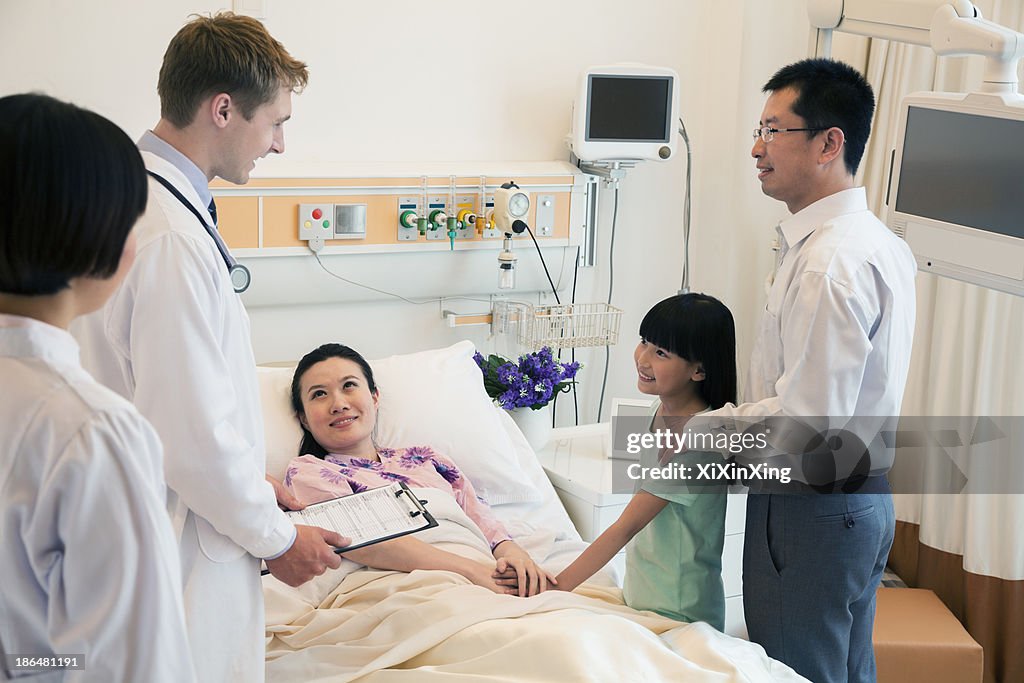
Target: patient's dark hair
[309, 445]
[700, 329]
[72, 185]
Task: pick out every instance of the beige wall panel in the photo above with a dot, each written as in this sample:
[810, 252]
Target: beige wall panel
[239, 217]
[468, 182]
[281, 219]
[238, 220]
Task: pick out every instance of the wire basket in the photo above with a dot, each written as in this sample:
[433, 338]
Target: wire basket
[569, 326]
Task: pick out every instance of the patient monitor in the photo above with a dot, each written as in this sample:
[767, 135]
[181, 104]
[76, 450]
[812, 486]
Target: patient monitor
[625, 112]
[955, 186]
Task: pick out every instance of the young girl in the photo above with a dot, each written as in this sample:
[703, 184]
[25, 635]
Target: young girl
[687, 358]
[90, 565]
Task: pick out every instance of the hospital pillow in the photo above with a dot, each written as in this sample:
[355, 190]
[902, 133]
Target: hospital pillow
[434, 398]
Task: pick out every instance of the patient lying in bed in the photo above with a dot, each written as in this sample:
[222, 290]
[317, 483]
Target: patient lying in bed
[335, 399]
[380, 626]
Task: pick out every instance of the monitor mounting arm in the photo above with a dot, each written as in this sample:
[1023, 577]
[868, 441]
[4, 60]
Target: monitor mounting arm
[949, 27]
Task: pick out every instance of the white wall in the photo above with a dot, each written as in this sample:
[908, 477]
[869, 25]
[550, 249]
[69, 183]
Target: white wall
[411, 82]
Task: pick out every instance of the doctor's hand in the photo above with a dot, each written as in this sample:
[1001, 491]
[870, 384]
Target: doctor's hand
[516, 569]
[311, 555]
[284, 497]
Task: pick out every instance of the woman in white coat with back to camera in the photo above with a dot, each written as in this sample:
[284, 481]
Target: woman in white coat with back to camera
[89, 569]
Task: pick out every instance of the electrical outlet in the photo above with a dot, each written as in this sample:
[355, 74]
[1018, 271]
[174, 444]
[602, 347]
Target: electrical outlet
[544, 216]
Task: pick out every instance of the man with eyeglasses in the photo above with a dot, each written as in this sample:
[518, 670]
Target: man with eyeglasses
[835, 341]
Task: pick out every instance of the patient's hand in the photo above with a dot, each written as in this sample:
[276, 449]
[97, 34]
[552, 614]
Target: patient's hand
[284, 497]
[483, 575]
[516, 569]
[310, 555]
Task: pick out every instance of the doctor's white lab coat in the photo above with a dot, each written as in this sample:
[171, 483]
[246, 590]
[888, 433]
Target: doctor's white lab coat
[89, 565]
[174, 339]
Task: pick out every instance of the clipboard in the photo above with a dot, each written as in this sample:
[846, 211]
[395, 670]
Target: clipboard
[368, 517]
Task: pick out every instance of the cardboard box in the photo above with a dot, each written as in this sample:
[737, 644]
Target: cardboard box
[917, 639]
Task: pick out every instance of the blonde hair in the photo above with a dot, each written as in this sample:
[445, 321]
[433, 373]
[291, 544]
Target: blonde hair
[229, 53]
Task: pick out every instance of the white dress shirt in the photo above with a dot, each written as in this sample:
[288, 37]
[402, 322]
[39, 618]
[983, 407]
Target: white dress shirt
[837, 329]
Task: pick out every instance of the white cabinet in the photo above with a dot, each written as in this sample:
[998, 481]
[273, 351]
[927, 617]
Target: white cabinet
[591, 487]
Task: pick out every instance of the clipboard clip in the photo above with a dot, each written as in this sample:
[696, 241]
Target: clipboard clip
[417, 505]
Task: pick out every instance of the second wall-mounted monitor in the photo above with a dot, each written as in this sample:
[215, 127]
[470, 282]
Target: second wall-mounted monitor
[625, 112]
[957, 186]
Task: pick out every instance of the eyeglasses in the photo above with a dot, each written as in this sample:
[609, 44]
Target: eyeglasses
[767, 133]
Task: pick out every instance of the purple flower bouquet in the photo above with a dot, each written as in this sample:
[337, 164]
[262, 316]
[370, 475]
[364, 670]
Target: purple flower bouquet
[530, 383]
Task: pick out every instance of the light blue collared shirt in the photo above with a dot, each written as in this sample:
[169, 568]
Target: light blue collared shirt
[150, 142]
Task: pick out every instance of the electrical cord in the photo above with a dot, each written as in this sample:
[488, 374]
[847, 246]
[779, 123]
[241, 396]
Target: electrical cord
[391, 294]
[611, 286]
[554, 290]
[572, 355]
[545, 265]
[685, 285]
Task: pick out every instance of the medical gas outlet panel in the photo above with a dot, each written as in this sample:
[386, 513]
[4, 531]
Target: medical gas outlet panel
[465, 222]
[438, 219]
[286, 216]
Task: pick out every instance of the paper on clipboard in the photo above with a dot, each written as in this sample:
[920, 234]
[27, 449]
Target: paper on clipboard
[368, 517]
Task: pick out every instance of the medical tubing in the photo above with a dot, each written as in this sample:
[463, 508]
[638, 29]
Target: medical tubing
[611, 286]
[545, 265]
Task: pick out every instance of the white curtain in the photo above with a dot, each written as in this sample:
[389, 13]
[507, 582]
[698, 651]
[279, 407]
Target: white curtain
[968, 357]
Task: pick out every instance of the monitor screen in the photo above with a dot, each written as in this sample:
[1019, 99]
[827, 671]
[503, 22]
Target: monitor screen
[629, 108]
[964, 169]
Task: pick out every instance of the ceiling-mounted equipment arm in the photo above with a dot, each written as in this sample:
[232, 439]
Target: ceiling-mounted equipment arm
[1002, 47]
[906, 21]
[949, 27]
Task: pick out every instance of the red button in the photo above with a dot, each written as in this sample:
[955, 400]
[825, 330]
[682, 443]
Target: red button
[317, 213]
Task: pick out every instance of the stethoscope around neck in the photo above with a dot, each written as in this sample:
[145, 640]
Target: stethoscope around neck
[240, 276]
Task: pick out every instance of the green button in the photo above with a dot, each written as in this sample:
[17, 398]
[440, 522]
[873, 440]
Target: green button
[327, 224]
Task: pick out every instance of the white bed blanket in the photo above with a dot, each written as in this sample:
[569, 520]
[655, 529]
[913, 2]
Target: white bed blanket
[379, 626]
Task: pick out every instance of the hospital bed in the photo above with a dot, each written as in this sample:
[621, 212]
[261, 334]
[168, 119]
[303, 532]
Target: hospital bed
[359, 623]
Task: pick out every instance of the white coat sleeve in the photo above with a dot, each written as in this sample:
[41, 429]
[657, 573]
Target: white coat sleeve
[113, 576]
[183, 385]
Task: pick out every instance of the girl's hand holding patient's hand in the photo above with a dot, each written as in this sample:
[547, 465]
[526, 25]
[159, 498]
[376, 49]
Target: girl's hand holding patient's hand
[517, 569]
[484, 575]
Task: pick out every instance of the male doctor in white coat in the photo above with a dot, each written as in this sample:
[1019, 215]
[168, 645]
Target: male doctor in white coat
[175, 340]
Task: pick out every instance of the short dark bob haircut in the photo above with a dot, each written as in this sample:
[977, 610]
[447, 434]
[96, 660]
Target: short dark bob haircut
[72, 185]
[700, 329]
[309, 445]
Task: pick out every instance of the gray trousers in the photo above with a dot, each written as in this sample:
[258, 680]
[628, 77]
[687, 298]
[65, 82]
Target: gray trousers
[811, 566]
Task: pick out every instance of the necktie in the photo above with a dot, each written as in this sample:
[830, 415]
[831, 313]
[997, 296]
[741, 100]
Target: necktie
[213, 212]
